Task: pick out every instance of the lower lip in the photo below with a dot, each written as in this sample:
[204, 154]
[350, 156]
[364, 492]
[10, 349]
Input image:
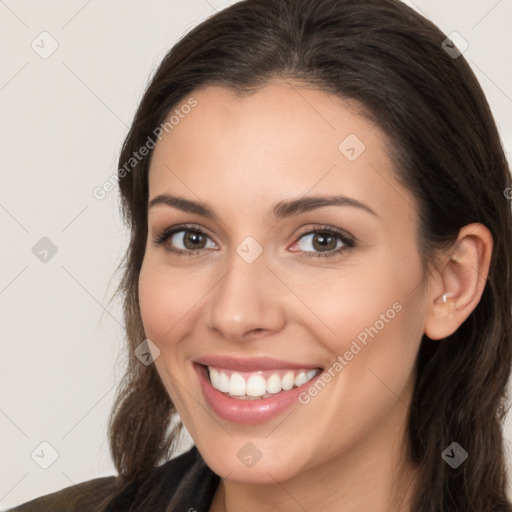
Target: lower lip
[248, 412]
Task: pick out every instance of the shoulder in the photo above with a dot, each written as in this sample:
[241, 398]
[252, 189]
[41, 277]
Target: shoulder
[187, 472]
[85, 496]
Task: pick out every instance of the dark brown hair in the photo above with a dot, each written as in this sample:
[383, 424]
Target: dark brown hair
[447, 152]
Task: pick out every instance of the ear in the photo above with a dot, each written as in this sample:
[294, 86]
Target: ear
[460, 280]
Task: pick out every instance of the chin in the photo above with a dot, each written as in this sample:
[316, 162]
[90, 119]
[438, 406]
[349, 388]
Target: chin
[251, 461]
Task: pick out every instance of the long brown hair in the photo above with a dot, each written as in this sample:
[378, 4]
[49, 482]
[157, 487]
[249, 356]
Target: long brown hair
[447, 152]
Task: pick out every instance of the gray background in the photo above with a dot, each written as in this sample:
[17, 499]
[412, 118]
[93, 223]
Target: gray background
[63, 119]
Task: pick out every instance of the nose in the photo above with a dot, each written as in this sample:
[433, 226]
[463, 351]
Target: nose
[248, 301]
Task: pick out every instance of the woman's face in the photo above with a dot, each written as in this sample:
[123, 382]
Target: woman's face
[269, 288]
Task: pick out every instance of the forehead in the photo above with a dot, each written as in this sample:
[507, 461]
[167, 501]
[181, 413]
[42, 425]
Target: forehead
[283, 140]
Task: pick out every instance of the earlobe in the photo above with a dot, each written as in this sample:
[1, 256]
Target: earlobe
[461, 281]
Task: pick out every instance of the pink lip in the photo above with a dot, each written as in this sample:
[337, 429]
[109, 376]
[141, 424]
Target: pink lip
[250, 365]
[248, 412]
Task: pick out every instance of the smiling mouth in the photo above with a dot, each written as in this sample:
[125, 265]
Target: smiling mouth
[260, 384]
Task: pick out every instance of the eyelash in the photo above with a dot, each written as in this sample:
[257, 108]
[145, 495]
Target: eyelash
[348, 240]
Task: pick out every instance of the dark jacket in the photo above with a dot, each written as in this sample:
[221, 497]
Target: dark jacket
[187, 476]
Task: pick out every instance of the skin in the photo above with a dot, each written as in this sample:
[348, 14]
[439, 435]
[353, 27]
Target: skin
[341, 451]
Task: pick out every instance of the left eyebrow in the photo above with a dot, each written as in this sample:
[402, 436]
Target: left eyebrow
[305, 204]
[281, 210]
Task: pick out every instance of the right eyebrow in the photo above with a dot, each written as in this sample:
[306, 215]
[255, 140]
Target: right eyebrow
[183, 204]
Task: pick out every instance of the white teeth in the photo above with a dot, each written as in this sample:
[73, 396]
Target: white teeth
[256, 385]
[310, 374]
[223, 383]
[288, 381]
[215, 378]
[300, 379]
[237, 384]
[219, 380]
[274, 384]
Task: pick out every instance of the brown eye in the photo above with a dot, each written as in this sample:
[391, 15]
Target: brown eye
[324, 242]
[192, 240]
[183, 240]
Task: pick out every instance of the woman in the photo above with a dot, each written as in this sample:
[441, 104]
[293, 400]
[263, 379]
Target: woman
[318, 282]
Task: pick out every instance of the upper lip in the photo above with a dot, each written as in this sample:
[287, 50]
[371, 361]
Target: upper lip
[249, 364]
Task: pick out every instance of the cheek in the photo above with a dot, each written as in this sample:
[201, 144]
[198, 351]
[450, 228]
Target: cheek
[359, 300]
[380, 333]
[169, 300]
[152, 307]
[376, 316]
[157, 298]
